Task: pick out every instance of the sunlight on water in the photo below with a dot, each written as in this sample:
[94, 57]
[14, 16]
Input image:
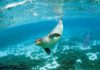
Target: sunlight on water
[13, 12]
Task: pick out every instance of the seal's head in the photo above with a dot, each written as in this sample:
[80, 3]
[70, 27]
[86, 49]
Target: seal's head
[38, 41]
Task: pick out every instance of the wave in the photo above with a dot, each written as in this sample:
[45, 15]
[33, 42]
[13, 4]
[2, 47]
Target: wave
[15, 4]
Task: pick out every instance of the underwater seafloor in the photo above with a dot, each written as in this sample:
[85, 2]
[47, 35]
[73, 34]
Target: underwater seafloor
[23, 21]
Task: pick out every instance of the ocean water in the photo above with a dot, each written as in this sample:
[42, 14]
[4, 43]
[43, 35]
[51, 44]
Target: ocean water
[23, 21]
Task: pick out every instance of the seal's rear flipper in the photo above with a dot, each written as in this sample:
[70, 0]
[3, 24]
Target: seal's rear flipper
[47, 50]
[54, 35]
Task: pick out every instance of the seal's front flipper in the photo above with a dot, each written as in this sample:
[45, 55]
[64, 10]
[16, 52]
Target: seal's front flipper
[47, 50]
[54, 35]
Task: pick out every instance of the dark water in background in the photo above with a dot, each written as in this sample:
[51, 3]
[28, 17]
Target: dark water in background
[78, 49]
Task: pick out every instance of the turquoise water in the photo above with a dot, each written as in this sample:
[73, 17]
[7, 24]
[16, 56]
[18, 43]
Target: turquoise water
[23, 21]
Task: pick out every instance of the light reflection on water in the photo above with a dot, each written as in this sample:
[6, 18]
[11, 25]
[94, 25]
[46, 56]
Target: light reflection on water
[12, 12]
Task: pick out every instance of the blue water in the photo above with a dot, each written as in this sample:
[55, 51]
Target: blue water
[21, 25]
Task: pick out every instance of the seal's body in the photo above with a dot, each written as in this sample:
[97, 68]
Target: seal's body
[52, 38]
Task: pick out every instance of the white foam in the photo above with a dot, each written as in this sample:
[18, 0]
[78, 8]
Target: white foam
[16, 50]
[2, 54]
[85, 48]
[35, 14]
[50, 65]
[79, 61]
[32, 51]
[92, 56]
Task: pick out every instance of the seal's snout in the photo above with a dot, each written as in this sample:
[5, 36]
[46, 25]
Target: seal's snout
[38, 41]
